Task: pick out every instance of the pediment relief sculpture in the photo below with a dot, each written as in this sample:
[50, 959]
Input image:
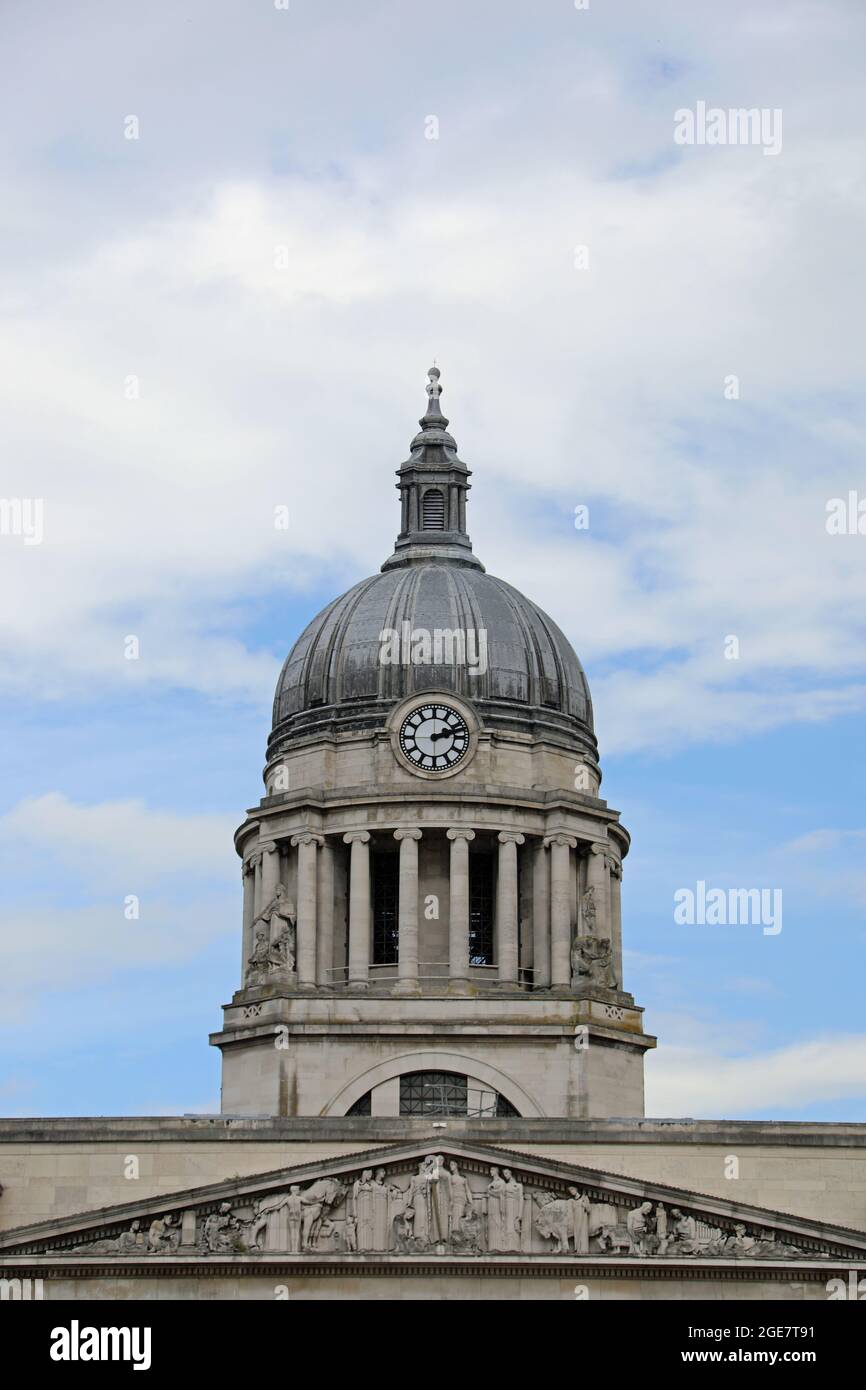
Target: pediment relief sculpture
[438, 1204]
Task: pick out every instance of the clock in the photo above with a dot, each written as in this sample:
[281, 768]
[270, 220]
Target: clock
[434, 737]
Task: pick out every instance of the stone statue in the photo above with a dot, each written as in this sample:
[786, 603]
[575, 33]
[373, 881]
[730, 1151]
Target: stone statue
[428, 1198]
[386, 1198]
[495, 1213]
[685, 1233]
[637, 1225]
[128, 1242]
[351, 1234]
[592, 961]
[263, 1222]
[554, 1220]
[579, 1221]
[740, 1243]
[363, 1210]
[294, 1213]
[275, 938]
[661, 1229]
[161, 1239]
[511, 1200]
[317, 1198]
[588, 911]
[461, 1201]
[219, 1229]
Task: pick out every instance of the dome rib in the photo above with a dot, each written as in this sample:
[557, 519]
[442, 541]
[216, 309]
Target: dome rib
[336, 661]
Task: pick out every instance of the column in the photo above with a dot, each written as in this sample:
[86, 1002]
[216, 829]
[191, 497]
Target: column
[458, 911]
[270, 873]
[507, 908]
[359, 909]
[598, 879]
[248, 878]
[560, 909]
[540, 917]
[325, 917]
[407, 955]
[255, 862]
[615, 868]
[307, 844]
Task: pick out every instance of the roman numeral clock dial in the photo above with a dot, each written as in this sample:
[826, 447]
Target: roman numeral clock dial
[434, 738]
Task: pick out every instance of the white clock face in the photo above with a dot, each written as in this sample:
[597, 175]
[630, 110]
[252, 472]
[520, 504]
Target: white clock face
[434, 737]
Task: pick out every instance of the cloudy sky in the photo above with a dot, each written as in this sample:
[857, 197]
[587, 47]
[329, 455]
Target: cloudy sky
[233, 239]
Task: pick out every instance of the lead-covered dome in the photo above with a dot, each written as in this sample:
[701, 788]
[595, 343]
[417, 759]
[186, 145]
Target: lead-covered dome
[433, 619]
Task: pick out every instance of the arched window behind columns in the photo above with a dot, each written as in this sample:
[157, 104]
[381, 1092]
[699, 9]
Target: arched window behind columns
[448, 1093]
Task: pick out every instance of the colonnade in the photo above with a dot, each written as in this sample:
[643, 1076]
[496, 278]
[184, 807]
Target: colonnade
[553, 910]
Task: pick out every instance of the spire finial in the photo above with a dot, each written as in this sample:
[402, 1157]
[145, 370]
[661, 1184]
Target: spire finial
[433, 417]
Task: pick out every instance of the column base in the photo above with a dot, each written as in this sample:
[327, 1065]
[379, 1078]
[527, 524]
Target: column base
[459, 987]
[408, 988]
[358, 986]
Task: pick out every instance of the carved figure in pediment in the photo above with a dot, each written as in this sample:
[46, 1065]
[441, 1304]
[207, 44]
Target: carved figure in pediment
[350, 1234]
[428, 1198]
[740, 1243]
[661, 1221]
[554, 1220]
[512, 1209]
[316, 1200]
[219, 1230]
[495, 1214]
[580, 1207]
[460, 1199]
[638, 1225]
[294, 1214]
[265, 1224]
[387, 1200]
[769, 1247]
[161, 1238]
[685, 1233]
[363, 1209]
[131, 1241]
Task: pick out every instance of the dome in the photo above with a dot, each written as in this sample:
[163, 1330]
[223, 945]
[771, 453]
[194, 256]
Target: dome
[433, 619]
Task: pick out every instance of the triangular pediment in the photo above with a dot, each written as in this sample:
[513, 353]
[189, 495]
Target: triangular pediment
[451, 1199]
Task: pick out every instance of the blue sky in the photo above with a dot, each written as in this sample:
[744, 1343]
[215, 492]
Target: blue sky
[299, 138]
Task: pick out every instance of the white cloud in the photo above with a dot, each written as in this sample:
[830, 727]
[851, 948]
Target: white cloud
[120, 844]
[704, 1083]
[86, 863]
[262, 386]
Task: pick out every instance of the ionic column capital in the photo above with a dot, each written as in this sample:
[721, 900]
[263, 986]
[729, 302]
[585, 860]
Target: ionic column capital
[510, 837]
[307, 837]
[458, 832]
[407, 834]
[615, 866]
[267, 847]
[360, 837]
[600, 847]
[560, 838]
